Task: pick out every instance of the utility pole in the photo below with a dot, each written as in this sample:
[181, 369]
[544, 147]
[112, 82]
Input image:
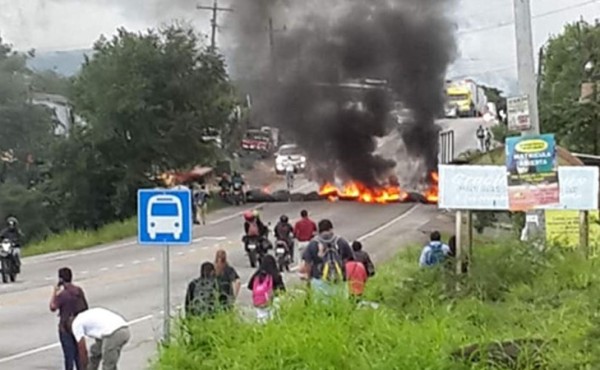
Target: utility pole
[528, 86]
[272, 32]
[525, 62]
[213, 21]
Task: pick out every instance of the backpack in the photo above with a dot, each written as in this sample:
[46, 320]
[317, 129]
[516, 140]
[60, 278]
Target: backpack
[436, 254]
[262, 290]
[480, 133]
[205, 297]
[253, 229]
[332, 266]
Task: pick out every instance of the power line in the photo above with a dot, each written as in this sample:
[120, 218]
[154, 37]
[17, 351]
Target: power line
[540, 15]
[213, 21]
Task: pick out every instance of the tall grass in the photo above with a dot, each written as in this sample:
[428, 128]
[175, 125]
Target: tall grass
[513, 292]
[81, 239]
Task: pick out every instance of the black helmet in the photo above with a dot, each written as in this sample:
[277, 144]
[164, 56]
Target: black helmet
[12, 222]
[284, 218]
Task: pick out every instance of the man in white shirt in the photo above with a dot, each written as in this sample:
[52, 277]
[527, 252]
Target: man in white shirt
[111, 333]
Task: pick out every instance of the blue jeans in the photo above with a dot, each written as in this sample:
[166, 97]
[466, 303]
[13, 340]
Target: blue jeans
[70, 351]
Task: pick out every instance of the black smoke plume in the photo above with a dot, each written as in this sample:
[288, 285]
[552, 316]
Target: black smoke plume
[325, 44]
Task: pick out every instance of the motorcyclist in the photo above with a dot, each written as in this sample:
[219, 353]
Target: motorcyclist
[285, 231]
[254, 229]
[237, 180]
[224, 184]
[14, 234]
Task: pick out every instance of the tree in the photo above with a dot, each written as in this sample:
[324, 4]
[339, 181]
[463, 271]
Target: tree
[565, 55]
[26, 136]
[146, 99]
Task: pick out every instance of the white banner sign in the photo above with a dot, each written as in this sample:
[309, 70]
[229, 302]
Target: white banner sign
[518, 113]
[485, 187]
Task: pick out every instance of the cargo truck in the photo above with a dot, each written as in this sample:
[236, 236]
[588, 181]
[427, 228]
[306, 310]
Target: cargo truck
[465, 99]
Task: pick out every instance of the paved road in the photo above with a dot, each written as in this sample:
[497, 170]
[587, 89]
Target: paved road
[127, 278]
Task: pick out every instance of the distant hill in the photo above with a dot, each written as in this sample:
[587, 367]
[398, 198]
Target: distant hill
[66, 63]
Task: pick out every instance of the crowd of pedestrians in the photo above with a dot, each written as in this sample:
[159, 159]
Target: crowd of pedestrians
[328, 264]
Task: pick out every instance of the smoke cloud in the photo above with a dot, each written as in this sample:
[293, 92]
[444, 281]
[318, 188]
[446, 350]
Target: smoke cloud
[408, 43]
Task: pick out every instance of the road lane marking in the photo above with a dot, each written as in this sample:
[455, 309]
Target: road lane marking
[238, 214]
[388, 224]
[57, 344]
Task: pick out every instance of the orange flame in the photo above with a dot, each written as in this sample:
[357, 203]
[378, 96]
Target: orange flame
[357, 191]
[431, 194]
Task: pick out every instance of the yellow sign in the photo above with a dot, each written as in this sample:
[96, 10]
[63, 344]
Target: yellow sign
[532, 146]
[562, 228]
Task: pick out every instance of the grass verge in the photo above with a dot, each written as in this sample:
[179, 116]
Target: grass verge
[71, 240]
[514, 292]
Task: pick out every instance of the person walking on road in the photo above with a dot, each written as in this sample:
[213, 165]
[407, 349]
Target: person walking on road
[304, 230]
[228, 279]
[480, 133]
[363, 257]
[110, 332]
[324, 259]
[435, 252]
[488, 139]
[356, 274]
[69, 300]
[266, 283]
[202, 295]
[201, 202]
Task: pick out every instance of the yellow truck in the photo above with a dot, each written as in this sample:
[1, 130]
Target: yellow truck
[465, 99]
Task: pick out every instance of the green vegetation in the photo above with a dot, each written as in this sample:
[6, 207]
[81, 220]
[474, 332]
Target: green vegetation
[141, 104]
[563, 72]
[81, 239]
[514, 292]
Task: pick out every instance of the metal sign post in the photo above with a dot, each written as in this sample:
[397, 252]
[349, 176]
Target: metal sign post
[166, 294]
[165, 219]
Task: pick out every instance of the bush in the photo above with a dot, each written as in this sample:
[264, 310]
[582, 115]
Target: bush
[515, 293]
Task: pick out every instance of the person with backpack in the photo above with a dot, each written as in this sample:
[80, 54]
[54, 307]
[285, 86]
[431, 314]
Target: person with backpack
[254, 229]
[265, 284]
[70, 301]
[201, 299]
[201, 203]
[285, 231]
[435, 252]
[323, 261]
[363, 257]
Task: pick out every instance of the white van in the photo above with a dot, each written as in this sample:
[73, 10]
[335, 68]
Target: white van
[165, 216]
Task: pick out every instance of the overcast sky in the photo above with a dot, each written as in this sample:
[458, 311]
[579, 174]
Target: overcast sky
[486, 32]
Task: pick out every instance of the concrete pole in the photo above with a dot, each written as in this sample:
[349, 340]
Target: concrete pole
[527, 79]
[525, 61]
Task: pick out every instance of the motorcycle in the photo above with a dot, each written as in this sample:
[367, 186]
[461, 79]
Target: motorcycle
[8, 262]
[238, 195]
[282, 255]
[258, 247]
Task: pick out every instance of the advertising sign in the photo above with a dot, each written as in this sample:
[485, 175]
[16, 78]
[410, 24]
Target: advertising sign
[562, 228]
[485, 188]
[532, 171]
[518, 113]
